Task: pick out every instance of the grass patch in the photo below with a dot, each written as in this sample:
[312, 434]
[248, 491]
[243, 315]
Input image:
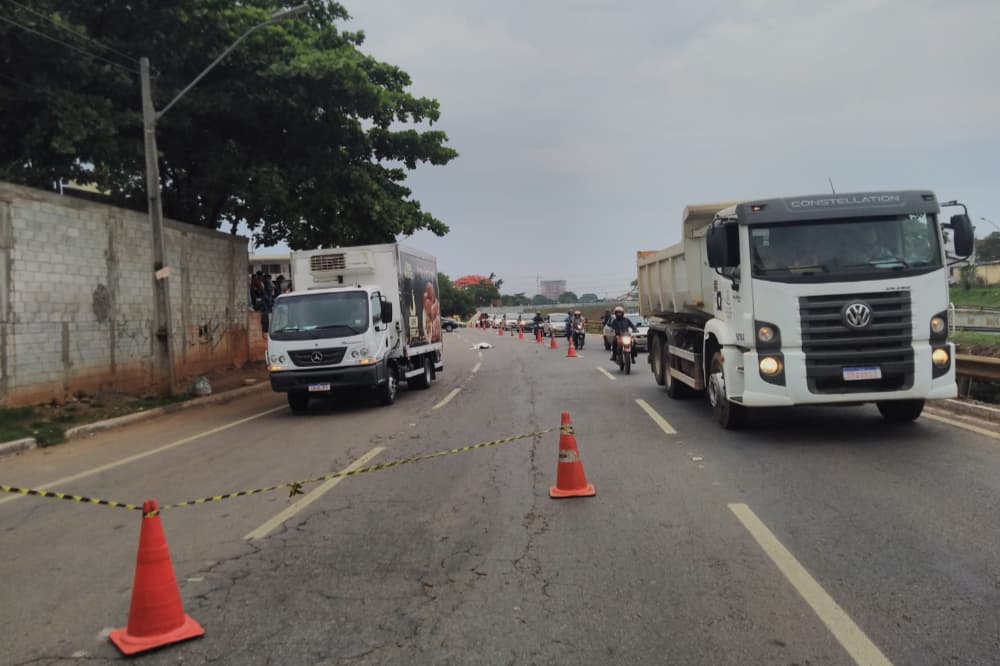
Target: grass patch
[24, 422]
[984, 297]
[972, 339]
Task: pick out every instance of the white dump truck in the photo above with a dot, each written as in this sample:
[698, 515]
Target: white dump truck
[839, 298]
[359, 318]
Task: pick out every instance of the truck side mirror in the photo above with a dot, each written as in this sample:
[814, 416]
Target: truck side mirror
[723, 245]
[386, 311]
[964, 235]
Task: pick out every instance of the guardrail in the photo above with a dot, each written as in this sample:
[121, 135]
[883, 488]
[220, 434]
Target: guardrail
[977, 367]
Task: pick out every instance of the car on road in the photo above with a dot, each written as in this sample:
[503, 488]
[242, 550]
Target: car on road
[640, 337]
[449, 324]
[555, 324]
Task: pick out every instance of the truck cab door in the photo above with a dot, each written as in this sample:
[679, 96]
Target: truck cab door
[382, 330]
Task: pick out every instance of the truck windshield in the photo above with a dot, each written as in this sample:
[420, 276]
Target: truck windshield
[320, 316]
[855, 249]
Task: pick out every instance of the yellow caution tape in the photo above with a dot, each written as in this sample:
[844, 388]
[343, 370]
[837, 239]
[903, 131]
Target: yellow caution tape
[294, 487]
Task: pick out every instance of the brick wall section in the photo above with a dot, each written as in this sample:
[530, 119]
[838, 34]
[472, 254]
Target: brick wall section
[76, 298]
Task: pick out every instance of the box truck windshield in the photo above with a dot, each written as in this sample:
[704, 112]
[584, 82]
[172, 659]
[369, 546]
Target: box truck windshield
[855, 249]
[320, 315]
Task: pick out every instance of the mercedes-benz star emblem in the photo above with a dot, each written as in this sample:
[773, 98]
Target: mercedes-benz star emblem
[857, 315]
[317, 357]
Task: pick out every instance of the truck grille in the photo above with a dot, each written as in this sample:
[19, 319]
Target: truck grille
[327, 262]
[830, 346]
[312, 357]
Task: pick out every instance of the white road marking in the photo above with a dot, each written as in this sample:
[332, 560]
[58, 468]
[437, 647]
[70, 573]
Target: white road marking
[606, 373]
[475, 369]
[145, 454]
[447, 398]
[843, 628]
[964, 426]
[480, 353]
[657, 419]
[321, 490]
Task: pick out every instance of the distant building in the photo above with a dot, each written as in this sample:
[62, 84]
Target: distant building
[273, 264]
[553, 289]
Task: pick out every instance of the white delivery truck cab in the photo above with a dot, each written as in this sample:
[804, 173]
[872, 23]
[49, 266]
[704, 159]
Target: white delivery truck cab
[827, 299]
[358, 318]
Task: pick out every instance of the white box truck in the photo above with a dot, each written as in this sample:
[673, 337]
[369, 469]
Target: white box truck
[827, 299]
[358, 318]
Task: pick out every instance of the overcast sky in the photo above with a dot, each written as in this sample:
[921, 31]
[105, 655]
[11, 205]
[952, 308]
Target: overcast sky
[585, 126]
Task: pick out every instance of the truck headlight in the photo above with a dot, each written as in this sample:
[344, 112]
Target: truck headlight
[770, 366]
[940, 357]
[938, 325]
[766, 334]
[354, 353]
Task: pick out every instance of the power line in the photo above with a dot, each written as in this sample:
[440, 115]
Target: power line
[78, 49]
[72, 31]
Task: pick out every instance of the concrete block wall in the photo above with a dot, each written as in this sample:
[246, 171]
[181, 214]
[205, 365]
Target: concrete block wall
[76, 298]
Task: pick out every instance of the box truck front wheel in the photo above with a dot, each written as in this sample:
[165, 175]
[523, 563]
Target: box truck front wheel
[900, 411]
[298, 400]
[423, 380]
[729, 415]
[387, 391]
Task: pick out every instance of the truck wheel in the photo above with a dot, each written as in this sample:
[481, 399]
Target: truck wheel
[298, 400]
[421, 381]
[387, 392]
[657, 349]
[900, 411]
[729, 415]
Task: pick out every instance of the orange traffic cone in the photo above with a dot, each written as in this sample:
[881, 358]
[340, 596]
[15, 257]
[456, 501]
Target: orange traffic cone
[520, 333]
[571, 481]
[572, 350]
[554, 344]
[499, 330]
[538, 335]
[156, 617]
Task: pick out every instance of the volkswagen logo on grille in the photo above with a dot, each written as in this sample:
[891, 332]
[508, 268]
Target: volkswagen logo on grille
[317, 357]
[857, 315]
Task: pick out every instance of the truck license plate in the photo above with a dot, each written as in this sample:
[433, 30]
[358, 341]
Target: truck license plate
[858, 374]
[319, 387]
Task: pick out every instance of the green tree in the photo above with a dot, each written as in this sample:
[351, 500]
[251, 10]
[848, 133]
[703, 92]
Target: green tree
[297, 132]
[454, 302]
[988, 249]
[483, 294]
[589, 298]
[568, 297]
[538, 299]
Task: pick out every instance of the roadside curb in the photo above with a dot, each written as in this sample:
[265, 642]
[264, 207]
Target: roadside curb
[967, 408]
[17, 445]
[108, 424]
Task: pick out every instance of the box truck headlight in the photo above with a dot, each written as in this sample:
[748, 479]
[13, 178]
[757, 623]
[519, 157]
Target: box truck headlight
[939, 357]
[766, 334]
[938, 325]
[770, 366]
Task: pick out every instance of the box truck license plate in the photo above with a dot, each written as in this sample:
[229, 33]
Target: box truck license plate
[319, 387]
[858, 374]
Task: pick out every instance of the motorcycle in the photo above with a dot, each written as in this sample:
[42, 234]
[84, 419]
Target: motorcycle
[626, 355]
[579, 335]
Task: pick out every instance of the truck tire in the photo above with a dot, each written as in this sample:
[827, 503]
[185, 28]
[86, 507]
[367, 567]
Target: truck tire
[657, 349]
[729, 415]
[900, 411]
[298, 400]
[423, 380]
[387, 391]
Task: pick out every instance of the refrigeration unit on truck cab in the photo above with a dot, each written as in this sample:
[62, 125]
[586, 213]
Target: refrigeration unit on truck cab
[824, 299]
[359, 318]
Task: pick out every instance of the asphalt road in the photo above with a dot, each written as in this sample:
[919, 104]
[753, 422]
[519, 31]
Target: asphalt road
[819, 536]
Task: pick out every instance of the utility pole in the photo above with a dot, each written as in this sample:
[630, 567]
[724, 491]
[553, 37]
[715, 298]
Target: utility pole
[161, 272]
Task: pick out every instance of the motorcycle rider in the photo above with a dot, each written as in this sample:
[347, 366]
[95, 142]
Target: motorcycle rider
[621, 325]
[538, 321]
[579, 324]
[569, 324]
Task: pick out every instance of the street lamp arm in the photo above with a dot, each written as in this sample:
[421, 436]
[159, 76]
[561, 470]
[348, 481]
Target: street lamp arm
[159, 114]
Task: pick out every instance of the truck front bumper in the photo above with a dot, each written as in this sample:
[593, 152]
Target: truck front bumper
[756, 392]
[339, 379]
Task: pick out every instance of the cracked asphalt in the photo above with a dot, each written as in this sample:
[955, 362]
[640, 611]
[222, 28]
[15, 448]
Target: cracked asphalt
[466, 560]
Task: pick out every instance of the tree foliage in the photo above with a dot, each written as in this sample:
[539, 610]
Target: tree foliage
[454, 302]
[988, 249]
[568, 297]
[298, 132]
[589, 298]
[539, 299]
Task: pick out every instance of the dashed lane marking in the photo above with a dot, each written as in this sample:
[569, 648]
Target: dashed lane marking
[475, 369]
[606, 373]
[964, 426]
[447, 398]
[843, 628]
[657, 419]
[320, 490]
